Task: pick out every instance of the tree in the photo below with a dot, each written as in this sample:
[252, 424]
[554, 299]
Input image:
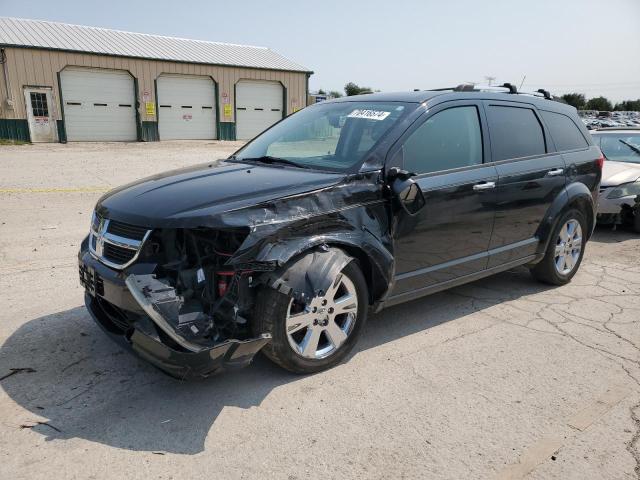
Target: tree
[321, 92]
[353, 89]
[599, 103]
[628, 106]
[576, 100]
[335, 94]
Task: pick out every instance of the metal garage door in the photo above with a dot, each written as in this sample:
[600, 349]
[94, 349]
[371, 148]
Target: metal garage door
[99, 105]
[258, 106]
[187, 107]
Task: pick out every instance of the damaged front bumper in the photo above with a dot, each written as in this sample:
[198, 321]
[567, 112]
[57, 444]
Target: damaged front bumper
[106, 298]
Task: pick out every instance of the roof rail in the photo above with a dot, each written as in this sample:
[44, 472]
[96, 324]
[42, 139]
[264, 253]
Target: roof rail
[505, 88]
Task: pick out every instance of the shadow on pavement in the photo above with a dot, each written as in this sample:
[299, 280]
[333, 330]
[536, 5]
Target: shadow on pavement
[86, 387]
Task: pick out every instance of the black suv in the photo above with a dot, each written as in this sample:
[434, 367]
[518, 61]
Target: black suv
[345, 207]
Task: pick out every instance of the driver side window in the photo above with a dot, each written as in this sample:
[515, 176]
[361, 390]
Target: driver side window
[449, 139]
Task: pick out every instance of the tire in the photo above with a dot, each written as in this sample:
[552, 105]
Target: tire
[272, 311]
[636, 220]
[548, 270]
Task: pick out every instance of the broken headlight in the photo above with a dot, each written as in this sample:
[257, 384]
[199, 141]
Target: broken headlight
[625, 190]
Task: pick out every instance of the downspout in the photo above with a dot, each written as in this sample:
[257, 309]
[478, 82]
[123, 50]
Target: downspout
[5, 71]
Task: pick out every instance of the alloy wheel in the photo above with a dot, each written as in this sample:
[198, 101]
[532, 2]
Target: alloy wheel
[318, 329]
[568, 247]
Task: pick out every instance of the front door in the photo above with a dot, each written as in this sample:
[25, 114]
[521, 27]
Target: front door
[42, 125]
[450, 236]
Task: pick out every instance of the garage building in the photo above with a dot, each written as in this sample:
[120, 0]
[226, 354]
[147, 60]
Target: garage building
[62, 82]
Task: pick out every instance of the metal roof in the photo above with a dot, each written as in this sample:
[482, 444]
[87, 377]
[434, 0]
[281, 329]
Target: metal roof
[21, 32]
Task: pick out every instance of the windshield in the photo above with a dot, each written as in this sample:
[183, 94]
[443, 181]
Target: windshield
[621, 147]
[326, 136]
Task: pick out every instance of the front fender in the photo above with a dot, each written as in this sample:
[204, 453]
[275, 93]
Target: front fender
[362, 232]
[574, 194]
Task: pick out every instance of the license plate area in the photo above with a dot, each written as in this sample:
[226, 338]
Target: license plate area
[90, 280]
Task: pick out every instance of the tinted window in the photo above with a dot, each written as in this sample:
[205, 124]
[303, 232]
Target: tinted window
[515, 132]
[565, 133]
[449, 139]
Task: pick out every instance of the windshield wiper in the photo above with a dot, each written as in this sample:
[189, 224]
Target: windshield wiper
[268, 159]
[631, 146]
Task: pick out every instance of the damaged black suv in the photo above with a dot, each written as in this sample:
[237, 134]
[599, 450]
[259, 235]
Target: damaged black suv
[345, 207]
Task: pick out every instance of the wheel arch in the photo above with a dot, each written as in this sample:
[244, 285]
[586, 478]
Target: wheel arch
[375, 261]
[575, 195]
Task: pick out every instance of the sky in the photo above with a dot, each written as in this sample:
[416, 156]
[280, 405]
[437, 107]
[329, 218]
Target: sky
[585, 46]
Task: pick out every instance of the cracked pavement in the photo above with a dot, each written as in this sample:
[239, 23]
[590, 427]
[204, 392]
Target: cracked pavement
[502, 378]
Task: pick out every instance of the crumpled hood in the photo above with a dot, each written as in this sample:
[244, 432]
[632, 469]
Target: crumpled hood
[181, 198]
[616, 173]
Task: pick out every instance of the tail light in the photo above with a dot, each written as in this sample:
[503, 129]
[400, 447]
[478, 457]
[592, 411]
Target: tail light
[600, 161]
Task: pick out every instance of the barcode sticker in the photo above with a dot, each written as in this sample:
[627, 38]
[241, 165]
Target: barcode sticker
[369, 114]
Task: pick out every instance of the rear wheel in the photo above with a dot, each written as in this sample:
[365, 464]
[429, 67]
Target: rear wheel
[315, 336]
[565, 251]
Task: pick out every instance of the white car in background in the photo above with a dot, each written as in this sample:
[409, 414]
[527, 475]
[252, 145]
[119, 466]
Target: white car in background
[620, 186]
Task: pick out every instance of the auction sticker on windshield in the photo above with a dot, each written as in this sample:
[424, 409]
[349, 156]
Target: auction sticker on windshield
[369, 114]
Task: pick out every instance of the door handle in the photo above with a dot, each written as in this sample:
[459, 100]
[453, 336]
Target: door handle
[555, 172]
[479, 187]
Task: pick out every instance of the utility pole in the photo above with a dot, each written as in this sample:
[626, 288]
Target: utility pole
[489, 79]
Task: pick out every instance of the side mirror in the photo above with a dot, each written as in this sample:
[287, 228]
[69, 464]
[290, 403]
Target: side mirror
[408, 192]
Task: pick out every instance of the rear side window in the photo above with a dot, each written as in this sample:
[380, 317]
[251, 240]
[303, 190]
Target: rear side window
[515, 132]
[449, 139]
[565, 133]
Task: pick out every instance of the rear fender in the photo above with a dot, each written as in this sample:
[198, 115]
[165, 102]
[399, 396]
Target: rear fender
[574, 194]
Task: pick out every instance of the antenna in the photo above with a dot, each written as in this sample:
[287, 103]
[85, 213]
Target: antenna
[522, 82]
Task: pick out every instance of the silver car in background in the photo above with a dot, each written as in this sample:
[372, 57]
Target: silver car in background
[620, 187]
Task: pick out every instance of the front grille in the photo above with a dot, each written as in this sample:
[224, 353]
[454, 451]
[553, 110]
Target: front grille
[116, 254]
[116, 244]
[125, 230]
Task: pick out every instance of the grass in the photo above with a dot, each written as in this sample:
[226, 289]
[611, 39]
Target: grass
[5, 141]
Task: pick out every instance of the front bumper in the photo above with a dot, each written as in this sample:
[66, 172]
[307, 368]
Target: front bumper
[613, 205]
[118, 314]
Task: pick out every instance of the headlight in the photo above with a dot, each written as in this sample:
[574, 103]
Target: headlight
[625, 190]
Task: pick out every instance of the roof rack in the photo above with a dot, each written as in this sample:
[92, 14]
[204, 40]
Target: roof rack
[504, 88]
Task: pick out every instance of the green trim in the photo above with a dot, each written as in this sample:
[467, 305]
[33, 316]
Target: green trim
[150, 132]
[62, 126]
[230, 65]
[227, 131]
[138, 120]
[306, 91]
[217, 94]
[157, 122]
[62, 134]
[14, 129]
[284, 100]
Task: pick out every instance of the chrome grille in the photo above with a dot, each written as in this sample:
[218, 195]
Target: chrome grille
[116, 244]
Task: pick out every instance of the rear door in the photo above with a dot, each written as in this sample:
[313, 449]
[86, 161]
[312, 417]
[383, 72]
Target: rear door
[449, 238]
[530, 176]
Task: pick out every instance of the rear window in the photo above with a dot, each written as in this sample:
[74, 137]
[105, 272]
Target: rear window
[515, 132]
[565, 133]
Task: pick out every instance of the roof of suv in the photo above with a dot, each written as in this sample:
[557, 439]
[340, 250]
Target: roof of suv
[422, 96]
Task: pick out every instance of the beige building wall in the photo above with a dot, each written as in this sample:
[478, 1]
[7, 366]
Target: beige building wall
[35, 67]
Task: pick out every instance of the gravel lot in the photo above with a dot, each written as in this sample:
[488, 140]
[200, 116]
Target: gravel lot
[503, 378]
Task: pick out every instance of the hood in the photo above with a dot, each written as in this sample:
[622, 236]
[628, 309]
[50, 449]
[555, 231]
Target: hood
[617, 173]
[185, 196]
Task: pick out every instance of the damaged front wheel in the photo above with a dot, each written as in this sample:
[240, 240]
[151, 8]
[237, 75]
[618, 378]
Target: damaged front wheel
[317, 334]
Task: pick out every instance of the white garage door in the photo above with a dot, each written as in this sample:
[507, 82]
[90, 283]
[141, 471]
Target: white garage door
[187, 107]
[99, 105]
[258, 106]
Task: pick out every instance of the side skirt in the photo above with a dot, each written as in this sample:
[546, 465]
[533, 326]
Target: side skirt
[421, 292]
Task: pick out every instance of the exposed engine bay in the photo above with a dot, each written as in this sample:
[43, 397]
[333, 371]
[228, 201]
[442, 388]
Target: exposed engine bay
[192, 295]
